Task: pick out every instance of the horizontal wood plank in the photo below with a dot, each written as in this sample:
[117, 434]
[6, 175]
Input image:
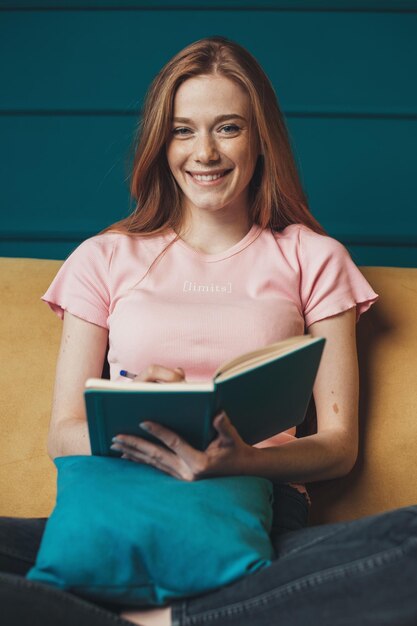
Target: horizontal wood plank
[69, 61]
[214, 5]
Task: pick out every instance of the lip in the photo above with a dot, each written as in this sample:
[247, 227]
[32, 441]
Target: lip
[208, 183]
[210, 172]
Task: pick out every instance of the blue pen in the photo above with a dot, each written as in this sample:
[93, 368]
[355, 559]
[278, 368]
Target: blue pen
[127, 374]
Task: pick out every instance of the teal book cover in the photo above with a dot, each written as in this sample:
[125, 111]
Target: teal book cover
[263, 392]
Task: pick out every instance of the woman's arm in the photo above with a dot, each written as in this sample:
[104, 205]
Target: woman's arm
[329, 453]
[81, 356]
[332, 451]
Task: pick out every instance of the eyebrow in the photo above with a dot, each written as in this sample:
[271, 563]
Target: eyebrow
[219, 118]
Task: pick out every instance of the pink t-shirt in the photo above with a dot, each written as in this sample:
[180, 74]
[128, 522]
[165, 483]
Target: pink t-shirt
[195, 310]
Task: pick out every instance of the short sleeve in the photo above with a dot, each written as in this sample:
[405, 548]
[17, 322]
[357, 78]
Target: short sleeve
[81, 286]
[330, 281]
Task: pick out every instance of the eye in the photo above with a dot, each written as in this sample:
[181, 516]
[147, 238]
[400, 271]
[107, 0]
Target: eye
[230, 129]
[180, 131]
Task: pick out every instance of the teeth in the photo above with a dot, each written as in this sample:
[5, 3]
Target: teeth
[207, 177]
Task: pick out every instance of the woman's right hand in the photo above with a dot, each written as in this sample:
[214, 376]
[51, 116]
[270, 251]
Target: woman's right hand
[159, 374]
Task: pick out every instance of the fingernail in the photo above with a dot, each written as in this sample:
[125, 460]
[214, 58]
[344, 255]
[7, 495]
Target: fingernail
[144, 426]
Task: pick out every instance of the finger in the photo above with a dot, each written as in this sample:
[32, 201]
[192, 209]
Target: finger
[148, 452]
[159, 373]
[131, 444]
[191, 463]
[227, 432]
[137, 457]
[174, 442]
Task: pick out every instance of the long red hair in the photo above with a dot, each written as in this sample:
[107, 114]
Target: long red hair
[276, 195]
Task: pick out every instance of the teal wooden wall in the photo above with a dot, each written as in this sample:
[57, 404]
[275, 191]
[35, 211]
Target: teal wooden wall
[73, 77]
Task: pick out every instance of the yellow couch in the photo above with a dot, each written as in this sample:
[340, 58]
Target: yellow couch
[383, 478]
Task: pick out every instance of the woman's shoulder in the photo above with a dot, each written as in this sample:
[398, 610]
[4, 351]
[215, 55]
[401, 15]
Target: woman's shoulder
[308, 241]
[109, 243]
[103, 241]
[111, 238]
[299, 231]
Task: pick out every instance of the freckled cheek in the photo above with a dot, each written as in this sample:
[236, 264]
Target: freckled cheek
[178, 160]
[174, 155]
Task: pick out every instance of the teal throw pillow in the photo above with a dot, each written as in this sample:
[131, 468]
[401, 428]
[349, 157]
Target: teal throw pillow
[130, 534]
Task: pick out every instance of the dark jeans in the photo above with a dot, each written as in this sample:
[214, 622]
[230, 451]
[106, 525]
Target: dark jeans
[358, 573]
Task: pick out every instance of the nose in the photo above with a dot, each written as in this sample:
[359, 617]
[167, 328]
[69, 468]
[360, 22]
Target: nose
[206, 149]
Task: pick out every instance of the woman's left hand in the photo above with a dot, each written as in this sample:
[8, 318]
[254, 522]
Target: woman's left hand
[228, 454]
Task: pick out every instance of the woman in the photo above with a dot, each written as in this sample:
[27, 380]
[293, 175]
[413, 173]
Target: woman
[219, 203]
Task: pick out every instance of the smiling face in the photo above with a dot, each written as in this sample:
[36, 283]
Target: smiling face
[211, 152]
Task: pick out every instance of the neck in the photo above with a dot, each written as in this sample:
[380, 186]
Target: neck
[213, 232]
[212, 237]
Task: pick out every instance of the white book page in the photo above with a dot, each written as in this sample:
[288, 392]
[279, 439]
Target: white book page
[129, 385]
[262, 355]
